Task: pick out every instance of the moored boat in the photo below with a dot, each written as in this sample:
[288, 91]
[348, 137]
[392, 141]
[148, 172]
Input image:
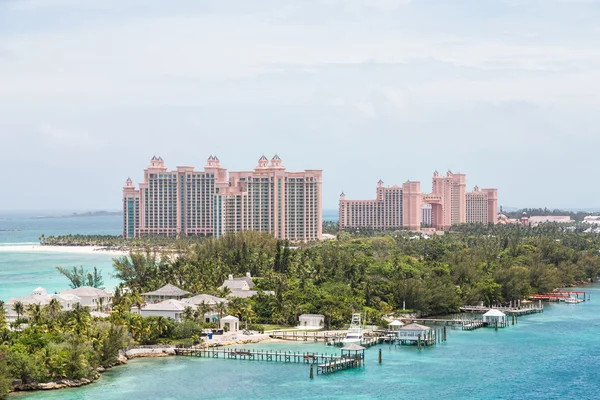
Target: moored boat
[355, 332]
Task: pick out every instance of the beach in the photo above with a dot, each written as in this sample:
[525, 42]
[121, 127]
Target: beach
[36, 248]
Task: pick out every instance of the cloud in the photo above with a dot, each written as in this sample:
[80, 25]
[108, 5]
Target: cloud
[65, 137]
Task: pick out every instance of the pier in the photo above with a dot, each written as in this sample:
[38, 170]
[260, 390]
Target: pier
[305, 336]
[560, 296]
[330, 338]
[517, 311]
[352, 357]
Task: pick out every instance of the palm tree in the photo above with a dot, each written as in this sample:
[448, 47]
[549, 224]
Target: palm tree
[35, 313]
[100, 306]
[188, 313]
[54, 308]
[203, 309]
[220, 308]
[2, 315]
[19, 308]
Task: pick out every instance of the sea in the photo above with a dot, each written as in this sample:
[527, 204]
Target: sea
[552, 355]
[23, 271]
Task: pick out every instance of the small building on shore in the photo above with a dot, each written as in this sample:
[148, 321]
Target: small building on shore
[395, 325]
[211, 303]
[311, 321]
[171, 308]
[166, 292]
[493, 317]
[229, 323]
[413, 331]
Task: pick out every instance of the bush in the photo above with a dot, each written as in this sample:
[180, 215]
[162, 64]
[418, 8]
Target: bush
[256, 327]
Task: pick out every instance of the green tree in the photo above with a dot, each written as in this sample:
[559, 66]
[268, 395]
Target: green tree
[79, 277]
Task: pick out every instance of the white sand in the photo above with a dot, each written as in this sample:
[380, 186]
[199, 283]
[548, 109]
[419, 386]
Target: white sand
[61, 249]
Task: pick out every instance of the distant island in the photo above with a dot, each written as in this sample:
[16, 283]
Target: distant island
[84, 214]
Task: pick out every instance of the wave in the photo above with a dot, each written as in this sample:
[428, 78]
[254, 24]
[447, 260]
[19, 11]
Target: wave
[18, 243]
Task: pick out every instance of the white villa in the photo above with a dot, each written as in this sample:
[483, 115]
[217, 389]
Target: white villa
[40, 296]
[171, 308]
[241, 286]
[165, 293]
[209, 300]
[311, 321]
[91, 297]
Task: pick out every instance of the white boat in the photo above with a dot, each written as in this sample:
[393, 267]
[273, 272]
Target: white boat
[571, 300]
[354, 334]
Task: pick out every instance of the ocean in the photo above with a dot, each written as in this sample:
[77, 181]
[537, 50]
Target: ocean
[23, 271]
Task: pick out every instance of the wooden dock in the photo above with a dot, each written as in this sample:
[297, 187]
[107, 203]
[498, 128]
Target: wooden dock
[335, 366]
[258, 355]
[330, 338]
[326, 363]
[517, 311]
[304, 336]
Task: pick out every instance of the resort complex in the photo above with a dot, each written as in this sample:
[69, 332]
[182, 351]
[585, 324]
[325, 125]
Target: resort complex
[406, 207]
[212, 202]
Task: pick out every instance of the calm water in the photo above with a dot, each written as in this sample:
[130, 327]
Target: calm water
[554, 355]
[21, 272]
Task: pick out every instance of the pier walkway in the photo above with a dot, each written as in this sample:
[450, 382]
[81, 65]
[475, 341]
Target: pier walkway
[258, 355]
[325, 363]
[517, 311]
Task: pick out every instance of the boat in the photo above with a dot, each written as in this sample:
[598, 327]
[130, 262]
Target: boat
[572, 300]
[354, 334]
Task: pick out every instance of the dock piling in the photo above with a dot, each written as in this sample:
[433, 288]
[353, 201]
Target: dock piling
[312, 374]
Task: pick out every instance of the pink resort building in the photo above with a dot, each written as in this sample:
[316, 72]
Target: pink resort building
[407, 207]
[212, 202]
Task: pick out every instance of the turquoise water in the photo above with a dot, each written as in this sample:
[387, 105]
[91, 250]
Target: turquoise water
[21, 272]
[554, 355]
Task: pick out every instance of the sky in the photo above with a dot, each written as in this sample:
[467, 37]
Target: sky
[505, 91]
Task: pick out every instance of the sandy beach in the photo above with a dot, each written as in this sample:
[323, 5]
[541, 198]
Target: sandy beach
[36, 248]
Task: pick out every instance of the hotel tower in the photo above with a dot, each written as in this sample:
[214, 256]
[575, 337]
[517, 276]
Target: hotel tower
[407, 208]
[212, 203]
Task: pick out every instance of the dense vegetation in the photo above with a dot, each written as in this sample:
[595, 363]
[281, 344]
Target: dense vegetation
[56, 345]
[378, 273]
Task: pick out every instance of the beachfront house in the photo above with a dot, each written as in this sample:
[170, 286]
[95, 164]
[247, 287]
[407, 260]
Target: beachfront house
[241, 286]
[230, 324]
[41, 297]
[311, 321]
[166, 292]
[493, 317]
[91, 297]
[170, 308]
[212, 304]
[412, 332]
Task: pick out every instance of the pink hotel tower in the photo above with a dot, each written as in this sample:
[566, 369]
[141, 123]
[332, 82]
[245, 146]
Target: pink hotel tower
[404, 207]
[209, 203]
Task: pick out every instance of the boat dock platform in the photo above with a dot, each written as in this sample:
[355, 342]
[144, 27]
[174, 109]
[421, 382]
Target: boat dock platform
[560, 296]
[516, 311]
[366, 341]
[352, 357]
[258, 355]
[304, 336]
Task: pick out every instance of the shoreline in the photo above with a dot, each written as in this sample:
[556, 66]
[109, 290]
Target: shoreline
[37, 248]
[126, 355]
